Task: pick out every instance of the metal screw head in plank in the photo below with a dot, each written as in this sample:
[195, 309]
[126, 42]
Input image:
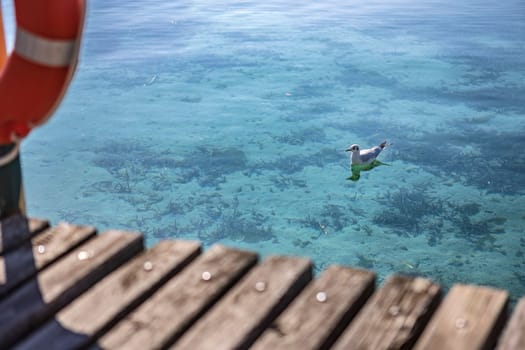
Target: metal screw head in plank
[321, 297]
[260, 286]
[148, 266]
[461, 323]
[84, 255]
[394, 310]
[206, 276]
[41, 249]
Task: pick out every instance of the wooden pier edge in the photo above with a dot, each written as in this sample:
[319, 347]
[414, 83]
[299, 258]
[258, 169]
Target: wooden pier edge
[66, 286]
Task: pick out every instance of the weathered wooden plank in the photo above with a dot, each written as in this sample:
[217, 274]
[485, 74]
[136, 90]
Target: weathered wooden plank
[112, 298]
[243, 314]
[320, 313]
[56, 286]
[17, 229]
[514, 335]
[393, 317]
[174, 308]
[37, 225]
[469, 318]
[18, 265]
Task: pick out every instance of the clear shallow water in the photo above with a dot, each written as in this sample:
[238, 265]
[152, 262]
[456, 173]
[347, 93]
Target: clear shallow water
[227, 122]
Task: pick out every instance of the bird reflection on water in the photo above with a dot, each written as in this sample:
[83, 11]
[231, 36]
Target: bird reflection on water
[357, 168]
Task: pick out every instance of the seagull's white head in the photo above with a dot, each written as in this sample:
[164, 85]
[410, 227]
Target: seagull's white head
[353, 148]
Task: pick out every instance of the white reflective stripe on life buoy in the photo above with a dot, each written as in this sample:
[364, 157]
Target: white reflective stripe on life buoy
[43, 51]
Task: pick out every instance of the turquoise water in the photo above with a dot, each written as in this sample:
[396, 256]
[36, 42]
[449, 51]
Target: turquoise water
[227, 122]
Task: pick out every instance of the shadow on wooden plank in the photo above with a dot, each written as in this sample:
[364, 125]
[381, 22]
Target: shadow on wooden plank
[34, 302]
[42, 250]
[66, 336]
[17, 229]
[8, 268]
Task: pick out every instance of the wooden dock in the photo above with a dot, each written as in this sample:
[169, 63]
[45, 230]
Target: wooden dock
[67, 287]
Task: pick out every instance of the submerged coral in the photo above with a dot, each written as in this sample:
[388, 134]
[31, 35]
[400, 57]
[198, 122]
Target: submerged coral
[207, 165]
[405, 210]
[480, 232]
[210, 165]
[336, 217]
[295, 163]
[299, 137]
[415, 212]
[119, 156]
[286, 182]
[332, 219]
[238, 228]
[365, 262]
[503, 173]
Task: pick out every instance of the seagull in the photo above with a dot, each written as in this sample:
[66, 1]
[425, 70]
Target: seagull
[365, 156]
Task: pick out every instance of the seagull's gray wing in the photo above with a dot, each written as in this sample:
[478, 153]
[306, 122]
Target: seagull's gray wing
[368, 155]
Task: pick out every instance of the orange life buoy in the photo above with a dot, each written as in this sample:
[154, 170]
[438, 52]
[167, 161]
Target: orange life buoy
[38, 71]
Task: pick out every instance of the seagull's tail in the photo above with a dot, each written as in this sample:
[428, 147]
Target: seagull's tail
[383, 144]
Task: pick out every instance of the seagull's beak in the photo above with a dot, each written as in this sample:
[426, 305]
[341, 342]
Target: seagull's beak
[347, 150]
